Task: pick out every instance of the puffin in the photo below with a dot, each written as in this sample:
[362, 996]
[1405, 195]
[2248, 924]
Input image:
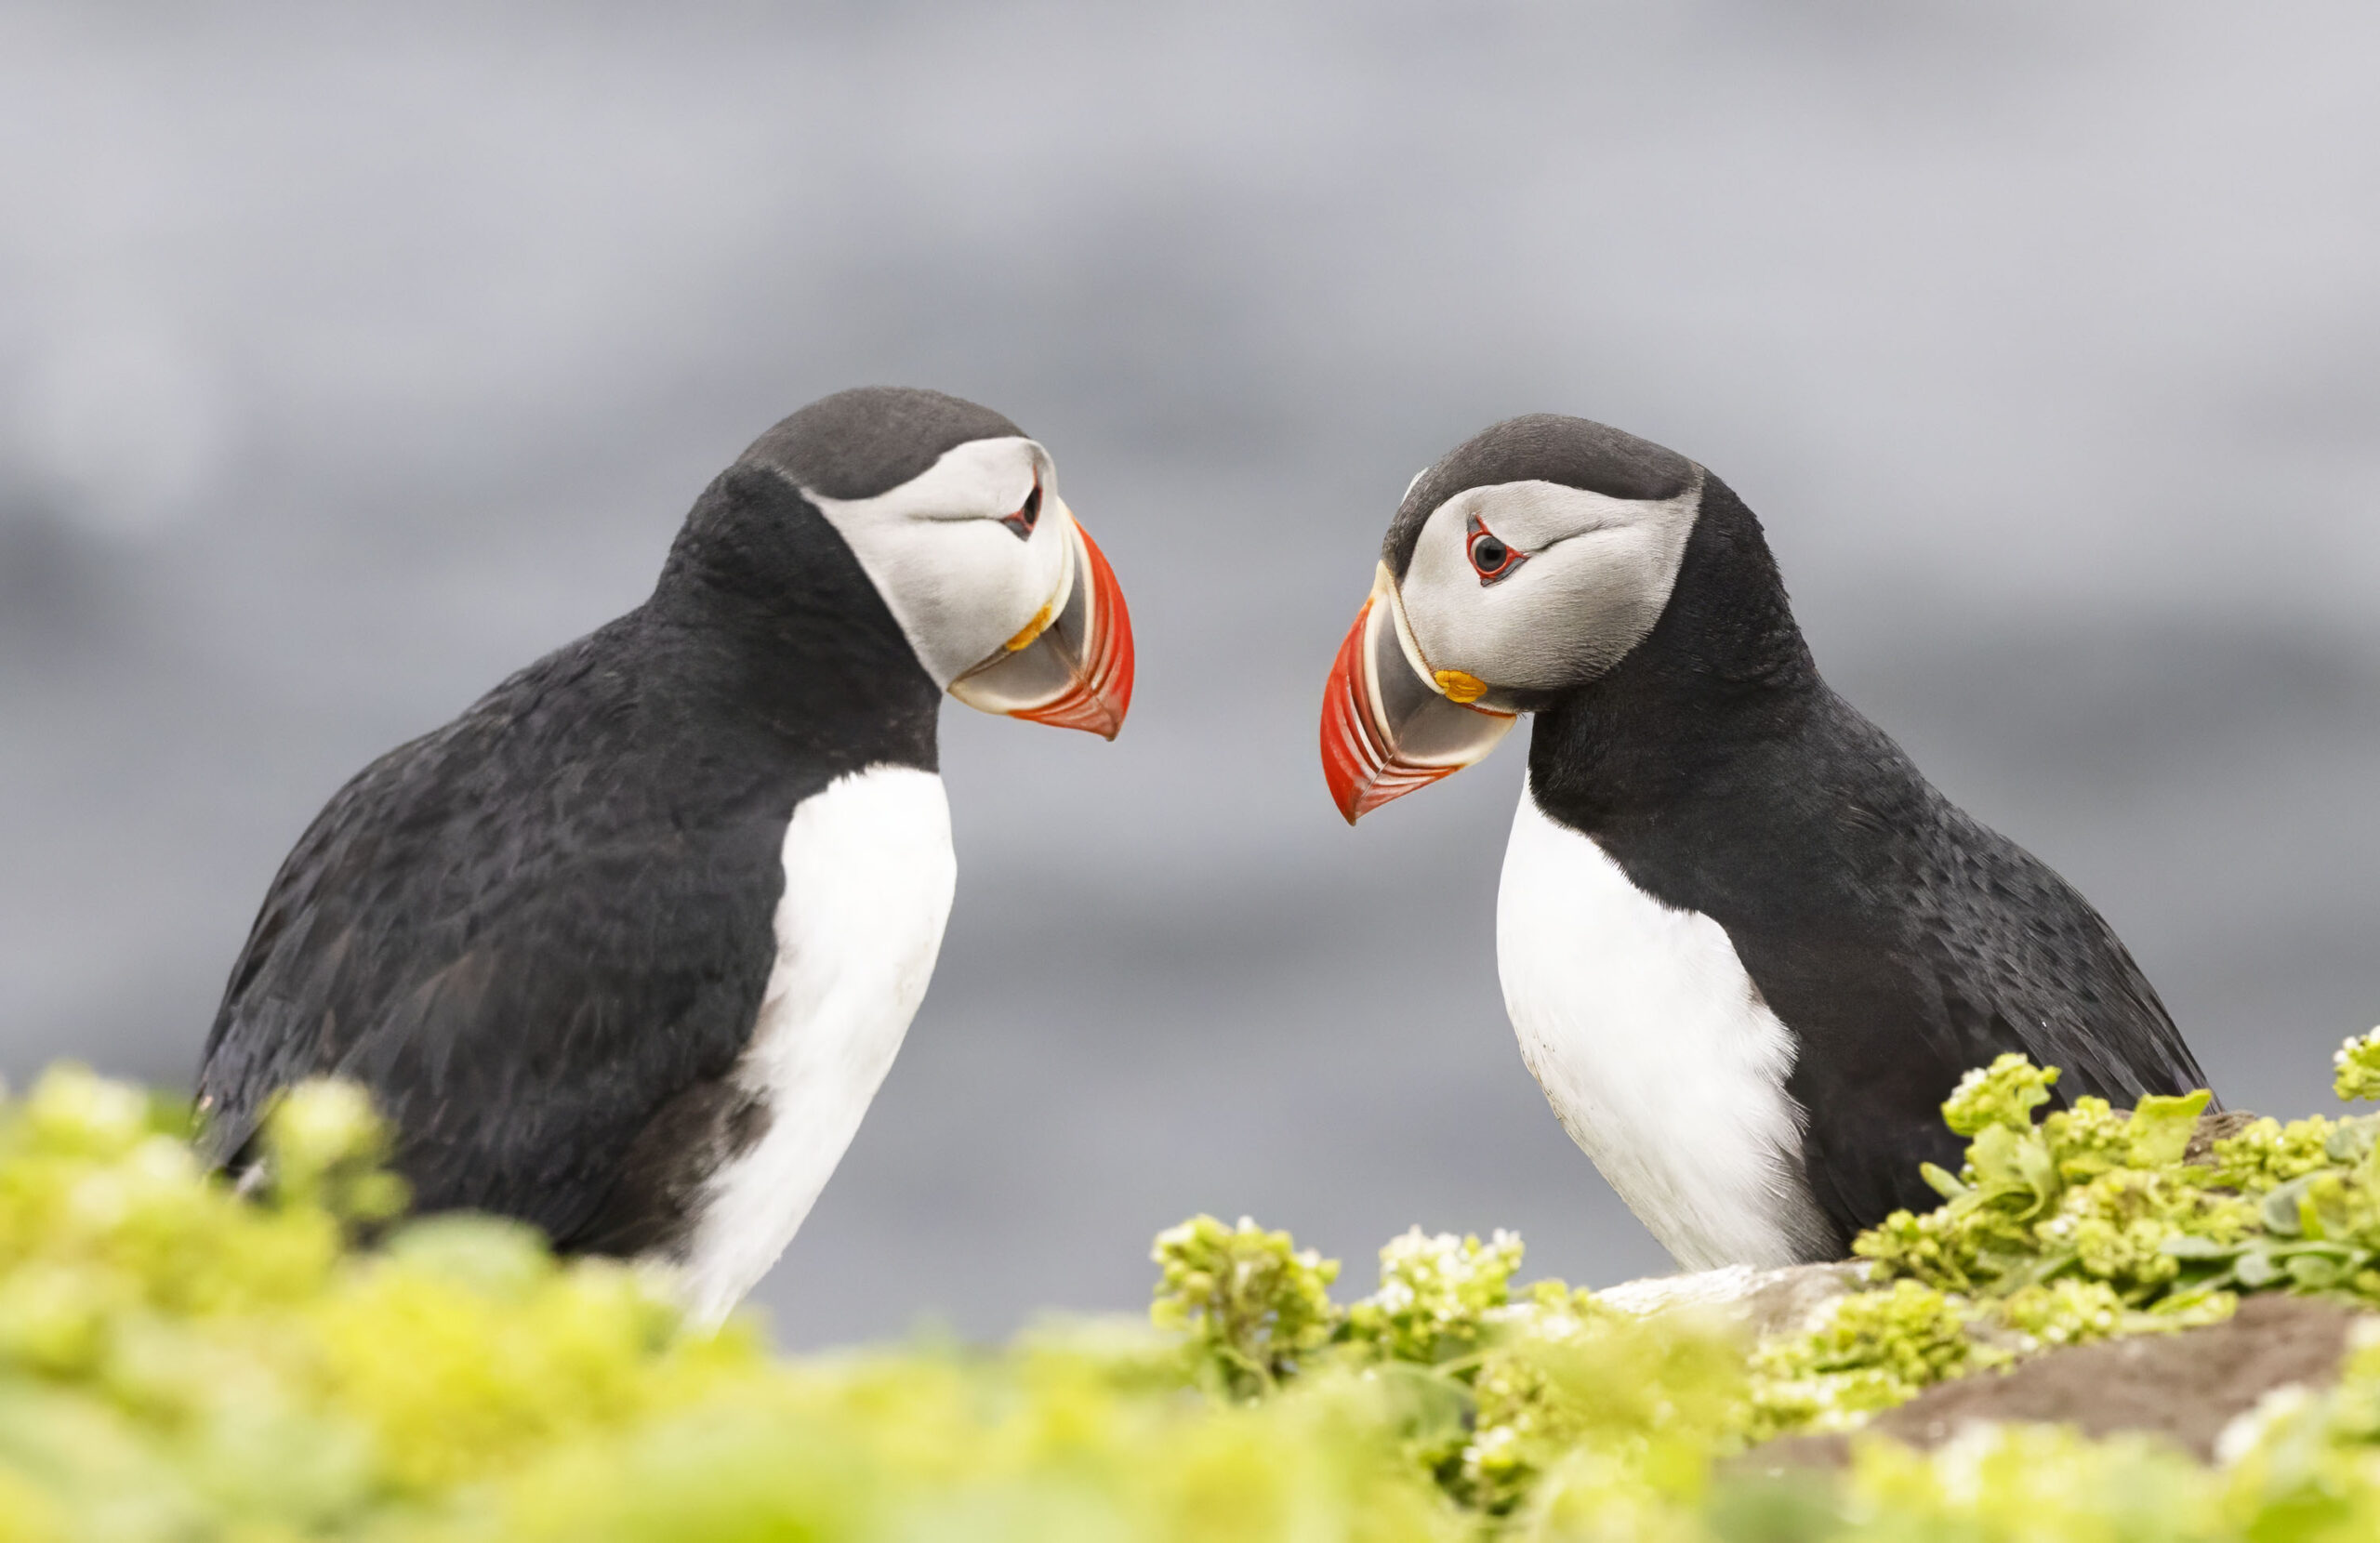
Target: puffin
[625, 951]
[1747, 949]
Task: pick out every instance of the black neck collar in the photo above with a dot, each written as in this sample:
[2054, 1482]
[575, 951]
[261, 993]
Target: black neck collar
[1723, 666]
[766, 605]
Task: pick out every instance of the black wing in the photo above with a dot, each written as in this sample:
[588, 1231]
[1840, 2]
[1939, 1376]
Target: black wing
[1902, 943]
[529, 961]
[1945, 947]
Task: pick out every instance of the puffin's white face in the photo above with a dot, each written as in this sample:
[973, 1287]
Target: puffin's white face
[1534, 587]
[1005, 601]
[967, 553]
[1513, 590]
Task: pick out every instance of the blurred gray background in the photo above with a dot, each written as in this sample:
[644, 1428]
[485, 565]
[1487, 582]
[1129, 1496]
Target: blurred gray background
[350, 359]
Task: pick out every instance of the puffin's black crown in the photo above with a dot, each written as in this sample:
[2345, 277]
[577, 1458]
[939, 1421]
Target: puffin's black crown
[1543, 447]
[870, 439]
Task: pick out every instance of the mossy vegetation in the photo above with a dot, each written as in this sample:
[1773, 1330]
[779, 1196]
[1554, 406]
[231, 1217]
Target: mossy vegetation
[182, 1362]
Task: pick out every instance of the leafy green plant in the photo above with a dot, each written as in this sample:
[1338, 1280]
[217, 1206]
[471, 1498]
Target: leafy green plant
[183, 1361]
[1250, 1299]
[2356, 1067]
[2097, 1194]
[1872, 1351]
[2060, 1228]
[1436, 1295]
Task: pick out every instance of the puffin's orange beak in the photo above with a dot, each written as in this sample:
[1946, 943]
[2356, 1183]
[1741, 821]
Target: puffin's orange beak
[1387, 728]
[1072, 665]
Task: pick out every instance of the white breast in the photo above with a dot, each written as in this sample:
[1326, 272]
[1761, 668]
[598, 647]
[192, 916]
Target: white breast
[868, 873]
[1655, 1049]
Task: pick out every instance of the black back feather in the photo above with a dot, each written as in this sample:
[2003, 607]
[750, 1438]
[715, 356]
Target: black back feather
[1901, 941]
[540, 934]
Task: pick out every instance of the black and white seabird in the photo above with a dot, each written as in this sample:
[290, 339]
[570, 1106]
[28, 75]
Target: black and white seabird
[625, 950]
[1747, 948]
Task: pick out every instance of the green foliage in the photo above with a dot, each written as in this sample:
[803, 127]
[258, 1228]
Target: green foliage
[2357, 1067]
[2102, 1195]
[2059, 1229]
[325, 1149]
[2091, 1191]
[1434, 1296]
[1872, 1351]
[1249, 1298]
[1583, 1400]
[2005, 1093]
[2267, 1154]
[179, 1361]
[2022, 1482]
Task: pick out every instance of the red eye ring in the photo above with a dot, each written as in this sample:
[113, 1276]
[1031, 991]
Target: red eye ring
[1491, 558]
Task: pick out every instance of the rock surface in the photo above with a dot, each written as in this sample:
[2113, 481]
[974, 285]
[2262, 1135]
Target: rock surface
[1763, 1301]
[2211, 1127]
[2185, 1387]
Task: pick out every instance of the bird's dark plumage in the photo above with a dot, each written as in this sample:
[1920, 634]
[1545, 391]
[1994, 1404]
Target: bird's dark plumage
[1900, 941]
[1540, 447]
[1748, 950]
[627, 949]
[858, 443]
[540, 934]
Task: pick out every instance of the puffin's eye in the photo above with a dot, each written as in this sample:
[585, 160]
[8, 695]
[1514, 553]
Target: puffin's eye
[1024, 518]
[1489, 557]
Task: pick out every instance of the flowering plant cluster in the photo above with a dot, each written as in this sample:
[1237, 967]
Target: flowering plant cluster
[182, 1361]
[2084, 1224]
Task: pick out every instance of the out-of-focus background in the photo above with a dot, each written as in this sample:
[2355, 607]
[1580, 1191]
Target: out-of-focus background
[353, 357]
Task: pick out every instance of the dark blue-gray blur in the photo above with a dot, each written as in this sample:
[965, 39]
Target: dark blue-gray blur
[350, 360]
